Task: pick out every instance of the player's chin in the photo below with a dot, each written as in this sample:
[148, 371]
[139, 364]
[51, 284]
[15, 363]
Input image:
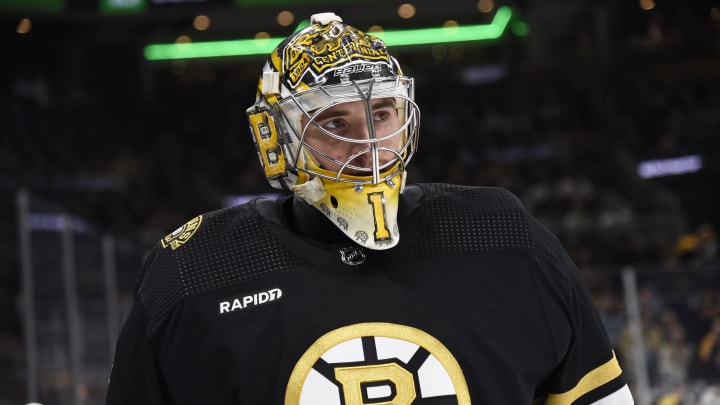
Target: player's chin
[356, 173]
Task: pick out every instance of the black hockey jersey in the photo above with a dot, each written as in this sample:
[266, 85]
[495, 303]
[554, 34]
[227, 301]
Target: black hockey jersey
[477, 304]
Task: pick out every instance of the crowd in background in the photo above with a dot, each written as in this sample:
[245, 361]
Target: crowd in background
[139, 169]
[566, 141]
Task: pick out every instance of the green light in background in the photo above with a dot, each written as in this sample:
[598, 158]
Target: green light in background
[123, 6]
[246, 47]
[303, 24]
[214, 49]
[520, 28]
[449, 34]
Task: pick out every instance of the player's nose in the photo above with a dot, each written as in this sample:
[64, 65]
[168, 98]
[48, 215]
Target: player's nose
[363, 136]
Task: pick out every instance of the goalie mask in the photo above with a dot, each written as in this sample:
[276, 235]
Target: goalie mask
[335, 122]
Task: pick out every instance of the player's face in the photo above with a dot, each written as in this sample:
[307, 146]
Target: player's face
[349, 120]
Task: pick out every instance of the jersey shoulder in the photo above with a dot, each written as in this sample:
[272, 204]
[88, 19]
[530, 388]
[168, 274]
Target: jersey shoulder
[460, 218]
[210, 251]
[471, 197]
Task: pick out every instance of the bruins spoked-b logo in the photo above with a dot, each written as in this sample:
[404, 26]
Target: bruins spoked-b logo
[379, 364]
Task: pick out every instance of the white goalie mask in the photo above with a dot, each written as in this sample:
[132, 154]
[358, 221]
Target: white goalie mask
[335, 122]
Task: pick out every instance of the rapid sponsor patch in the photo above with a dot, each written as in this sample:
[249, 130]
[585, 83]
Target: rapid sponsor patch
[250, 300]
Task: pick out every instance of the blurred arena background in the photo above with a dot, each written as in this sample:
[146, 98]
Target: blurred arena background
[602, 116]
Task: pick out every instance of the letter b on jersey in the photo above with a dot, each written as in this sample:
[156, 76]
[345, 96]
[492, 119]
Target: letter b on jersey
[387, 384]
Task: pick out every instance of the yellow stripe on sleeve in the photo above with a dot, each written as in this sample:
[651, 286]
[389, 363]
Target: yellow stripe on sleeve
[596, 378]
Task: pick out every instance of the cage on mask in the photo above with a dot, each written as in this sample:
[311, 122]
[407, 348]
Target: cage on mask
[364, 153]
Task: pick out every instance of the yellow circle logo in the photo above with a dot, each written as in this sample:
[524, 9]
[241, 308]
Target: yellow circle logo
[379, 364]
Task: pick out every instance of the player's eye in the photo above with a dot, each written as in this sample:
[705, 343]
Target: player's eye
[381, 115]
[333, 124]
